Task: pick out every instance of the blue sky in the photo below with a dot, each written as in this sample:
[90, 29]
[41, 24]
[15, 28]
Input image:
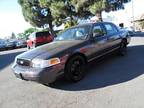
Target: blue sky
[9, 6]
[11, 18]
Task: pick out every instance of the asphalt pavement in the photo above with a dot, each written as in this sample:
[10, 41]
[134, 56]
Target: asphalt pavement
[112, 82]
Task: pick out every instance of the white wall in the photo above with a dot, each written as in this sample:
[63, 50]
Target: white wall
[126, 16]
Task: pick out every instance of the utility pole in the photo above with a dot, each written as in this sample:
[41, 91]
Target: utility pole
[133, 15]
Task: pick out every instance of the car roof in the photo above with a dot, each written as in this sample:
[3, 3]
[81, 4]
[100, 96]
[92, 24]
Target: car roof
[90, 24]
[42, 32]
[39, 33]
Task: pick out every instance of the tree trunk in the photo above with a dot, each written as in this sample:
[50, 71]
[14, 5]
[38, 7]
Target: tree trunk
[71, 19]
[99, 16]
[51, 29]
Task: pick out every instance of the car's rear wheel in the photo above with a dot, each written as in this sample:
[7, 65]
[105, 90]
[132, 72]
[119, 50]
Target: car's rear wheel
[123, 48]
[33, 45]
[75, 69]
[28, 47]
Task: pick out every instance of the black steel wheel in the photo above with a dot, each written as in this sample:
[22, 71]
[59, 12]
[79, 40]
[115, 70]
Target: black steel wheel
[75, 69]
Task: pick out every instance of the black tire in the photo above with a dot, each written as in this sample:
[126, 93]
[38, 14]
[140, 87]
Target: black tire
[75, 69]
[28, 47]
[123, 48]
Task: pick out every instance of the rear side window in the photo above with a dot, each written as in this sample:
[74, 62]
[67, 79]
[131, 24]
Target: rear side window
[111, 29]
[42, 34]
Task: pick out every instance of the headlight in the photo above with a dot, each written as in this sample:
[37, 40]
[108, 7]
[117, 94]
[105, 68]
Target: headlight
[40, 63]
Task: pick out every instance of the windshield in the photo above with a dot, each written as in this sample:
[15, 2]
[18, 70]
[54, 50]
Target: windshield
[32, 36]
[77, 33]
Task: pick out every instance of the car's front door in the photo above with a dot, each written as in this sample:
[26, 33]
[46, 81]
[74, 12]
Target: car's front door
[100, 41]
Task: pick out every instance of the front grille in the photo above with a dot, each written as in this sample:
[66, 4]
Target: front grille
[23, 62]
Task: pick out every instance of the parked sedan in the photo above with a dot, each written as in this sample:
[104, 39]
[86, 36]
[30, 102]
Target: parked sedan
[10, 44]
[2, 44]
[21, 44]
[69, 53]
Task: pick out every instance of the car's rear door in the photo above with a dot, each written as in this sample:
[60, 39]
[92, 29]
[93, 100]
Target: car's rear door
[113, 36]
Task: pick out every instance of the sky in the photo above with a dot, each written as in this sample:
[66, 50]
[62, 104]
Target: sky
[11, 18]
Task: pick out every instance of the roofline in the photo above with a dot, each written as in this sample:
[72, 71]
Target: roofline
[91, 23]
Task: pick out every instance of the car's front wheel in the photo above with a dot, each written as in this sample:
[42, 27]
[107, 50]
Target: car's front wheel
[75, 69]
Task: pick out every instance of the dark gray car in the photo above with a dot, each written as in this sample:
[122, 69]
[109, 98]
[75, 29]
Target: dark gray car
[70, 52]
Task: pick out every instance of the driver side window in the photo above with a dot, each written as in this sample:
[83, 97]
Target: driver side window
[79, 33]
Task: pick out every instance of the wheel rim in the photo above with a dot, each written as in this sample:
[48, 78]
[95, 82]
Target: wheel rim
[77, 70]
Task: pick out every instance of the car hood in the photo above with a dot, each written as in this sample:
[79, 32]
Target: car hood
[49, 49]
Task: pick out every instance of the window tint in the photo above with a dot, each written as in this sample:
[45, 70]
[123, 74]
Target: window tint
[110, 29]
[44, 33]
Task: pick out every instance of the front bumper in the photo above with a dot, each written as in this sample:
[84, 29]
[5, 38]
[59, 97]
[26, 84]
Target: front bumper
[45, 75]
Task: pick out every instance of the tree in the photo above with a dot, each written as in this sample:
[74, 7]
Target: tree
[26, 33]
[13, 36]
[68, 24]
[60, 10]
[37, 13]
[97, 6]
[41, 13]
[45, 13]
[21, 36]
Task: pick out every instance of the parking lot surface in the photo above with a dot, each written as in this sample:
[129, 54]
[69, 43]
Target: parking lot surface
[113, 82]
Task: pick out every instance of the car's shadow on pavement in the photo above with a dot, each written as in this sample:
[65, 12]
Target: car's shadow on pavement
[109, 71]
[7, 59]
